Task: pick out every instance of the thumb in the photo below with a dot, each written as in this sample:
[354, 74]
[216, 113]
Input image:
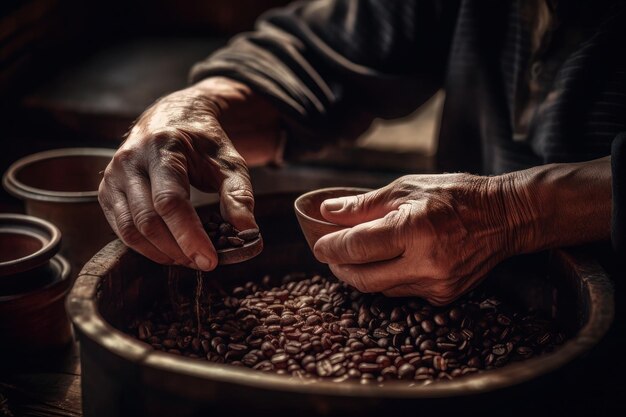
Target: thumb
[357, 209]
[237, 199]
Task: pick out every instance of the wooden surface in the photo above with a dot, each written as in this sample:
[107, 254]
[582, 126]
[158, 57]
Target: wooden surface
[50, 387]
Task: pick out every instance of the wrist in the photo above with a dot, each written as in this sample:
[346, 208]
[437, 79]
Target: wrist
[515, 206]
[557, 205]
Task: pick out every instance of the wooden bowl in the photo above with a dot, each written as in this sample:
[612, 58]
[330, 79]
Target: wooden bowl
[123, 376]
[61, 186]
[34, 281]
[307, 208]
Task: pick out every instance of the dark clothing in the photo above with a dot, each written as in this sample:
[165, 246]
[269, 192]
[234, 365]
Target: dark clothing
[333, 65]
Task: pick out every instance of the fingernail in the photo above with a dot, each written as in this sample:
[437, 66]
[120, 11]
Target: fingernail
[203, 262]
[333, 204]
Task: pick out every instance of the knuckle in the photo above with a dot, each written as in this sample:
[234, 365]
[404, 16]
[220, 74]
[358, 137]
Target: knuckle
[242, 193]
[147, 222]
[123, 157]
[167, 202]
[234, 162]
[166, 140]
[129, 233]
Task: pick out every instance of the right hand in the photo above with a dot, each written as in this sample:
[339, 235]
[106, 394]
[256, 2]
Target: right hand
[179, 142]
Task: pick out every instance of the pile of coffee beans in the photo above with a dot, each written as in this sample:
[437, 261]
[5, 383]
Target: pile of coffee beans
[317, 327]
[224, 235]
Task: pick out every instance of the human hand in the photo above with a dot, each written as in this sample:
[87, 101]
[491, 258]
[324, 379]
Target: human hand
[433, 236]
[178, 142]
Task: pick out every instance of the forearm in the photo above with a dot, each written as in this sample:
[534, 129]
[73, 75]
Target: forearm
[560, 204]
[332, 66]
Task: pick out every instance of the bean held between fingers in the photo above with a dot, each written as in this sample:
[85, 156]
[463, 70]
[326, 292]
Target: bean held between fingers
[318, 328]
[224, 235]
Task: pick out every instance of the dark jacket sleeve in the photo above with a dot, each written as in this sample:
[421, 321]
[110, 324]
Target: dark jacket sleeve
[331, 66]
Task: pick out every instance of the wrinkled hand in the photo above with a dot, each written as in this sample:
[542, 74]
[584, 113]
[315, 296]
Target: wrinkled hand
[145, 190]
[433, 236]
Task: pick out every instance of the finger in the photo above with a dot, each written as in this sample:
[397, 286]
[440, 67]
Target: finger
[236, 197]
[409, 290]
[366, 242]
[149, 223]
[353, 210]
[375, 276]
[118, 215]
[170, 197]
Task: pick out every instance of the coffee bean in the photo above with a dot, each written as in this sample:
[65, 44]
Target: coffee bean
[499, 349]
[389, 372]
[395, 328]
[440, 319]
[439, 363]
[354, 373]
[427, 345]
[324, 368]
[368, 367]
[248, 234]
[406, 371]
[383, 361]
[396, 314]
[428, 326]
[524, 351]
[313, 320]
[280, 359]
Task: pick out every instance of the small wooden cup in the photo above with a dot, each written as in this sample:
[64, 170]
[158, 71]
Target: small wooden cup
[307, 208]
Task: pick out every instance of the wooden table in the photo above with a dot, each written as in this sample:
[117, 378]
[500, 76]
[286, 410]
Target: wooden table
[48, 388]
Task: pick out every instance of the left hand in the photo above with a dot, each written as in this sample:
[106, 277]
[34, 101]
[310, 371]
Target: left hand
[433, 236]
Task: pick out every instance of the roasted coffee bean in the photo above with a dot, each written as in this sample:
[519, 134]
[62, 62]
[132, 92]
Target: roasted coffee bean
[317, 327]
[439, 363]
[324, 368]
[427, 345]
[313, 320]
[440, 319]
[248, 234]
[280, 360]
[395, 328]
[428, 326]
[524, 351]
[293, 348]
[368, 367]
[383, 361]
[389, 371]
[406, 371]
[499, 350]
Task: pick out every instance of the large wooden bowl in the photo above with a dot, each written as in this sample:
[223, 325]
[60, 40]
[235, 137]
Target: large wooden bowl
[122, 376]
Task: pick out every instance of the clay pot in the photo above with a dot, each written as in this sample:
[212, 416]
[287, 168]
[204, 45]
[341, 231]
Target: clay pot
[61, 186]
[34, 281]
